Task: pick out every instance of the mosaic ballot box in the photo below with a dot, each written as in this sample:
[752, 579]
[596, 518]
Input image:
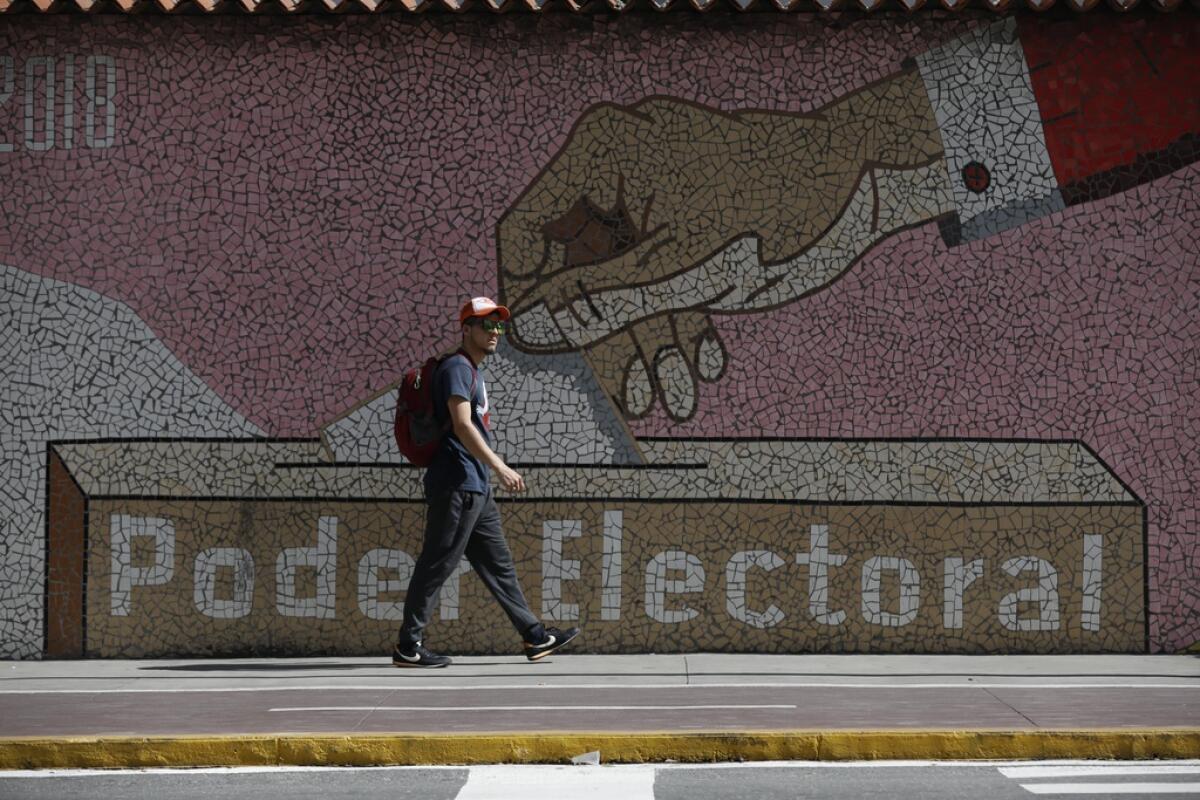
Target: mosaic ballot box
[194, 548]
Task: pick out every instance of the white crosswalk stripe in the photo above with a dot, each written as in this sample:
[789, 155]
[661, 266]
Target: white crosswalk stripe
[634, 782]
[1113, 788]
[1113, 778]
[1079, 770]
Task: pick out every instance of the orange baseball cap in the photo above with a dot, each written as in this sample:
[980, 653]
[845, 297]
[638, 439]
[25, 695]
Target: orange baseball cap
[481, 307]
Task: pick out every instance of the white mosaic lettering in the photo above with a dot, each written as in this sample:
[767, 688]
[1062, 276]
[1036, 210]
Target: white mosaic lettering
[204, 587]
[69, 104]
[41, 89]
[819, 560]
[1093, 564]
[6, 92]
[104, 101]
[657, 585]
[123, 529]
[556, 569]
[370, 586]
[610, 566]
[1045, 595]
[323, 558]
[31, 140]
[910, 591]
[735, 588]
[957, 578]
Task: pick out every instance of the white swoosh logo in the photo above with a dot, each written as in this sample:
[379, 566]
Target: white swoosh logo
[411, 659]
[548, 643]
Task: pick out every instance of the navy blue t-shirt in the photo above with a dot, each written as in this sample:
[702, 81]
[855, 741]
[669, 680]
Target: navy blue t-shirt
[453, 467]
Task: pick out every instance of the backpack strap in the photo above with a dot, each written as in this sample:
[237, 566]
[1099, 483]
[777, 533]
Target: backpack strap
[474, 370]
[449, 426]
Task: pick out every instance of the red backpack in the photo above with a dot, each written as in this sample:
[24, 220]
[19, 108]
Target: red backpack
[418, 433]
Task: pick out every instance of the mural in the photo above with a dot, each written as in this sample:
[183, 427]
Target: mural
[869, 335]
[655, 216]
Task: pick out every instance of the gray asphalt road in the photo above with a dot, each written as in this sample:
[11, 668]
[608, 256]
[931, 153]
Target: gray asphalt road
[768, 781]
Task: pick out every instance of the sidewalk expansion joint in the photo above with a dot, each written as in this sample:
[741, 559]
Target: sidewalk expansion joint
[1010, 707]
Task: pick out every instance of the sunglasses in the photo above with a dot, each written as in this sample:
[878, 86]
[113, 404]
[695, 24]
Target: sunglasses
[492, 326]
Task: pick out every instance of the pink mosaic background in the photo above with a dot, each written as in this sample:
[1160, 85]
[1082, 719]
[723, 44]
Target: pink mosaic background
[293, 206]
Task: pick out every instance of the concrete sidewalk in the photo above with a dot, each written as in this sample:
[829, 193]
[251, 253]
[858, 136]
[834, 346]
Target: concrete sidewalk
[698, 707]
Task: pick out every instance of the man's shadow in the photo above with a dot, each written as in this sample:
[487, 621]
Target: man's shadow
[238, 666]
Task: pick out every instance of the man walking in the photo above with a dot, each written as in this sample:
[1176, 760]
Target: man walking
[461, 514]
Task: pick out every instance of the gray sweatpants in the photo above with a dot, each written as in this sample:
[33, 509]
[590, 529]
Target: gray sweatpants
[458, 524]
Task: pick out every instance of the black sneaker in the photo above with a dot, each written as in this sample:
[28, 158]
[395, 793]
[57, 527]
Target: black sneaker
[418, 658]
[553, 641]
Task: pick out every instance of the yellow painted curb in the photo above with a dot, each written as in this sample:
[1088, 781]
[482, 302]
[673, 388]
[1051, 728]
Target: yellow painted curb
[517, 748]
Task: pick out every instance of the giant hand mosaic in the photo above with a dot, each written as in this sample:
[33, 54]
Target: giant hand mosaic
[830, 335]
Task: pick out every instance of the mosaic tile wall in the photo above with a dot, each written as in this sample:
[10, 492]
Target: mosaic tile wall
[779, 229]
[952, 546]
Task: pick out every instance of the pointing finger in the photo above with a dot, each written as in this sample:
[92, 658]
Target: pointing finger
[623, 374]
[700, 344]
[670, 372]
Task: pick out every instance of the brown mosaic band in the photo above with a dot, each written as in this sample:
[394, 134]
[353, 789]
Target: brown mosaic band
[941, 546]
